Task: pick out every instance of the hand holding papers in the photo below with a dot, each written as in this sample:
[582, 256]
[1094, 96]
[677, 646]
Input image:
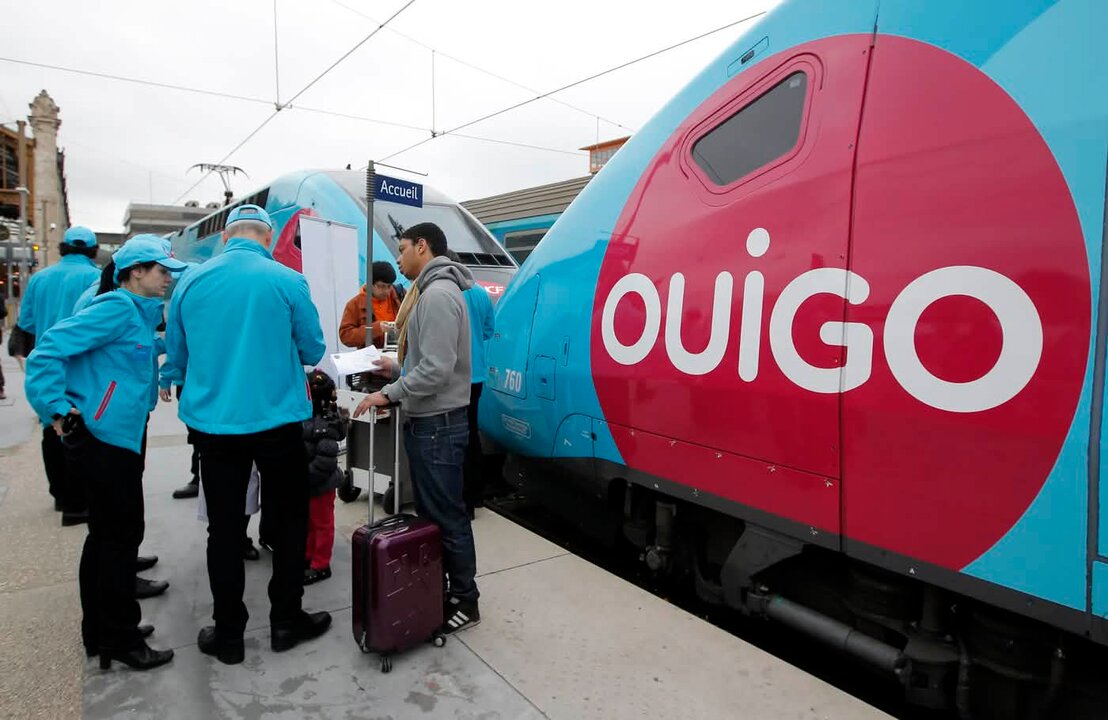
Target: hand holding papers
[357, 361]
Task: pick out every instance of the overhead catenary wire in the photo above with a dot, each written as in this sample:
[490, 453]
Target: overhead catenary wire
[479, 69]
[201, 91]
[349, 52]
[576, 153]
[138, 81]
[287, 104]
[303, 90]
[350, 116]
[590, 78]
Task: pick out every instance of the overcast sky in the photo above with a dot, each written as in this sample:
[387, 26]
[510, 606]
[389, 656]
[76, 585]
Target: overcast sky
[126, 142]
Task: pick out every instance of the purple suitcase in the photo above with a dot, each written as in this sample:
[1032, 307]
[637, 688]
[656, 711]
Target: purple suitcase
[398, 578]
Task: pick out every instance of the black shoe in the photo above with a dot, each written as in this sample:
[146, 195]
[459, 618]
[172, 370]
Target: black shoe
[143, 657]
[312, 575]
[145, 631]
[187, 491]
[307, 627]
[149, 588]
[459, 615]
[228, 652]
[145, 562]
[57, 505]
[249, 551]
[70, 519]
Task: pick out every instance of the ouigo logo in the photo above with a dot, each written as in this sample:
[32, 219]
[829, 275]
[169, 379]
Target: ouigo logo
[1021, 330]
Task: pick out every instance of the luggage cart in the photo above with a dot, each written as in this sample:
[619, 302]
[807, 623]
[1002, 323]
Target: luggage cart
[386, 443]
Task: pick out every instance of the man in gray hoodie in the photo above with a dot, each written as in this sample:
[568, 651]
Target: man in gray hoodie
[434, 352]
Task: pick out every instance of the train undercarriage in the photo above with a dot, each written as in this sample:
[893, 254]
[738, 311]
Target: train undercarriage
[949, 653]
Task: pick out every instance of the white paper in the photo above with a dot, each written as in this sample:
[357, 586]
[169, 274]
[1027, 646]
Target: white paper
[357, 361]
[253, 490]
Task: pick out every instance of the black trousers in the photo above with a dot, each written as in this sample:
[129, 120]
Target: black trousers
[113, 477]
[62, 477]
[474, 471]
[225, 472]
[195, 466]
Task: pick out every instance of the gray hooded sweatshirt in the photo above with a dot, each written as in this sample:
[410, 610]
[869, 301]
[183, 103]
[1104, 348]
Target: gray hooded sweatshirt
[437, 358]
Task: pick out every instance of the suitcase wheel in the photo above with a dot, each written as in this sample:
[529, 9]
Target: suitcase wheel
[438, 639]
[386, 664]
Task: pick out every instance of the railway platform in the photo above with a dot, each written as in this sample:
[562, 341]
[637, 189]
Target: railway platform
[559, 637]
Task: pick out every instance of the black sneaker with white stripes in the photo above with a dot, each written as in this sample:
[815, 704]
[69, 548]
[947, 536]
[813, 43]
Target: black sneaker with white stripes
[459, 615]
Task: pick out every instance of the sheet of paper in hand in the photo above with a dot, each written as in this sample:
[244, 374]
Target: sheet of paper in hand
[356, 361]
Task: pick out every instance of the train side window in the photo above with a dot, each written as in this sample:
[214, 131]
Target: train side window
[521, 242]
[761, 132]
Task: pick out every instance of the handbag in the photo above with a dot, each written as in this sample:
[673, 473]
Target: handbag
[20, 342]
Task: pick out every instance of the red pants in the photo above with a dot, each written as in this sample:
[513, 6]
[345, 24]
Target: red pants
[321, 530]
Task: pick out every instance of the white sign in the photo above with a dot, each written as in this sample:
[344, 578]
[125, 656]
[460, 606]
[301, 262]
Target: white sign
[330, 264]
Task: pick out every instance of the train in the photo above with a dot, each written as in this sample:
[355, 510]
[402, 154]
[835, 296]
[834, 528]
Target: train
[825, 342]
[339, 195]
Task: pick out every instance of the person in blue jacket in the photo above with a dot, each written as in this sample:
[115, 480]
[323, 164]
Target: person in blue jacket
[49, 298]
[92, 377]
[481, 328]
[144, 588]
[241, 327]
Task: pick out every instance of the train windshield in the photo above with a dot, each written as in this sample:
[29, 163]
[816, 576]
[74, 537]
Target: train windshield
[464, 235]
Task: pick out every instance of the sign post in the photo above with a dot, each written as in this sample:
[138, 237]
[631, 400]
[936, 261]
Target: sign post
[370, 185]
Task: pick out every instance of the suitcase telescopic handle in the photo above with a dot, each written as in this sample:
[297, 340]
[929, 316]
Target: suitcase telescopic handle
[394, 408]
[372, 459]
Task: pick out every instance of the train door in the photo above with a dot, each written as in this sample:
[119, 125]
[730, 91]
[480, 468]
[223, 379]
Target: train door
[719, 350]
[968, 240]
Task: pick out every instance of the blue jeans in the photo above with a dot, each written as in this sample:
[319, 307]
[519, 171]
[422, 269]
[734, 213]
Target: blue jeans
[436, 447]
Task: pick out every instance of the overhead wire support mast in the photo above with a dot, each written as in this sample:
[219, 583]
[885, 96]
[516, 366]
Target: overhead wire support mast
[578, 82]
[276, 61]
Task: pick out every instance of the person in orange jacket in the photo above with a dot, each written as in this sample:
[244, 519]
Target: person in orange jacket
[386, 304]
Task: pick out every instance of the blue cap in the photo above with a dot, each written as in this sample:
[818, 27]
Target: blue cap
[248, 212]
[80, 236]
[145, 248]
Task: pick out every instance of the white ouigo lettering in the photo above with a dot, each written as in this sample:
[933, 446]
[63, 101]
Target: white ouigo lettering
[1020, 324]
[638, 284]
[1021, 337]
[859, 343]
[709, 358]
[754, 288]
